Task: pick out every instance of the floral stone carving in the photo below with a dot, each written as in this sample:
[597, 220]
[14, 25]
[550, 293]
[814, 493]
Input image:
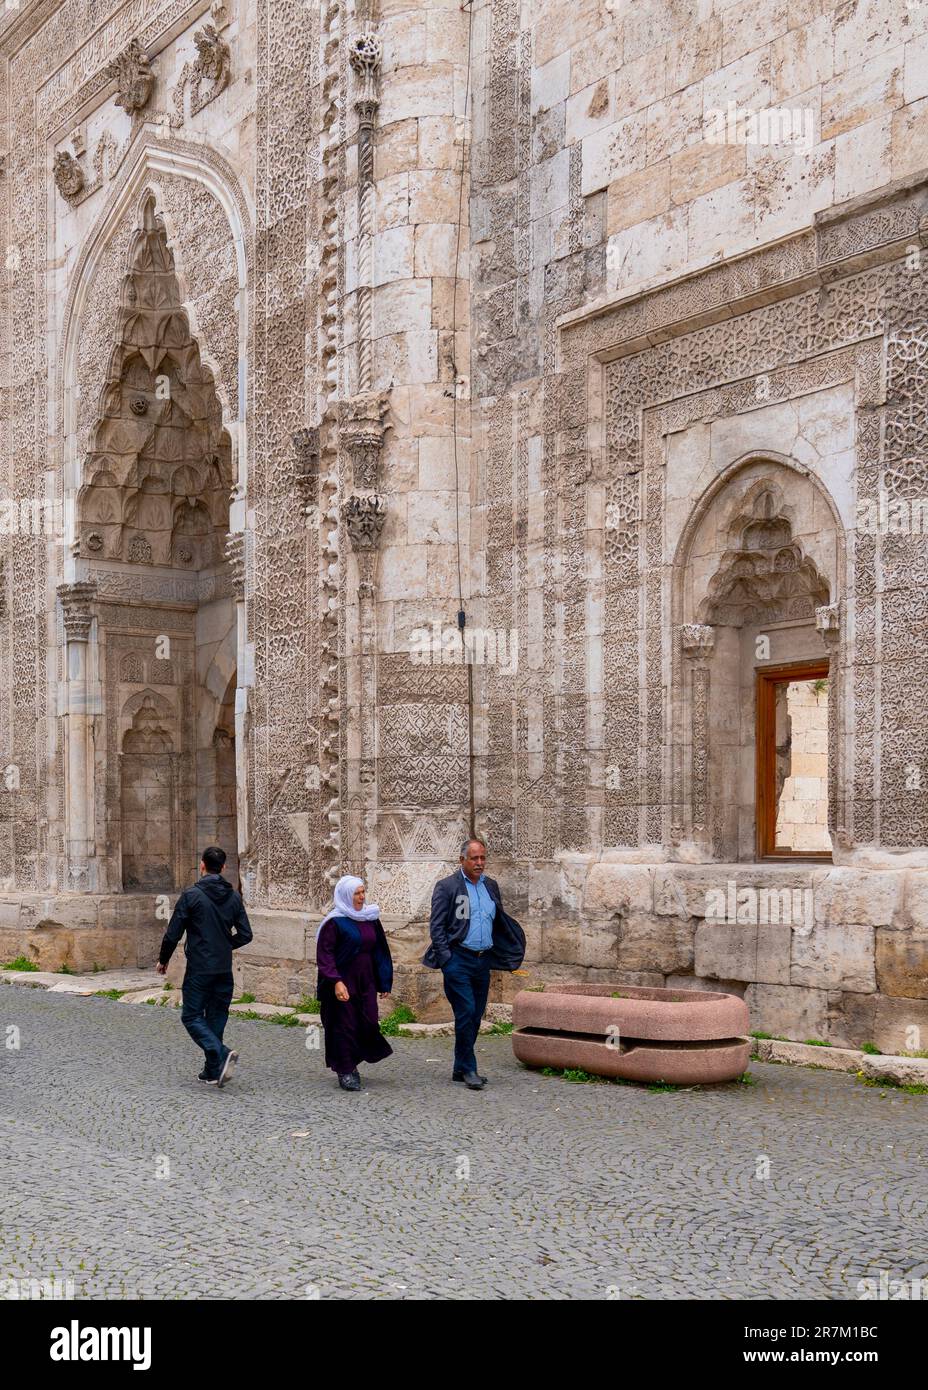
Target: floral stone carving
[362, 432]
[69, 176]
[134, 77]
[206, 76]
[364, 518]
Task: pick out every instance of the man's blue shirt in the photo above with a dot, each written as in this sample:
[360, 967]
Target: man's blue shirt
[482, 911]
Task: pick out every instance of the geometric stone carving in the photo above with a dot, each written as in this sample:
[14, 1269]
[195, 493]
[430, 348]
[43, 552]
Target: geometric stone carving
[364, 518]
[134, 77]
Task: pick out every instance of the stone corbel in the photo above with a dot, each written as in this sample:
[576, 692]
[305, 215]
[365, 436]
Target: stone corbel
[697, 640]
[828, 623]
[362, 431]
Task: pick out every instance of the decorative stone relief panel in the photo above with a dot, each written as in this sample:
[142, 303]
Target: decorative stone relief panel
[773, 350]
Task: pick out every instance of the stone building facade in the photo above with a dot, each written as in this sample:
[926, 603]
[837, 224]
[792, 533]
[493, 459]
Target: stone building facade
[603, 324]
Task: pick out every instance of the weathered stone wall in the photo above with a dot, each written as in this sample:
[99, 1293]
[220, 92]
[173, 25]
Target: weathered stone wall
[545, 345]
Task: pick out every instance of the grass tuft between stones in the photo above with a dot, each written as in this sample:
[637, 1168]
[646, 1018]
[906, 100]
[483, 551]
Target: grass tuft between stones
[390, 1026]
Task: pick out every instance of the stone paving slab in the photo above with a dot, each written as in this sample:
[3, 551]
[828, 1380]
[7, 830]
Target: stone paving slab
[125, 1174]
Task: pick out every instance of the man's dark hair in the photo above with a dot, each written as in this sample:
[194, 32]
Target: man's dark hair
[474, 840]
[214, 858]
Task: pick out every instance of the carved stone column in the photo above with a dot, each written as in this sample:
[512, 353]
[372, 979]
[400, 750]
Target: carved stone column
[828, 623]
[364, 54]
[237, 555]
[79, 707]
[697, 641]
[364, 518]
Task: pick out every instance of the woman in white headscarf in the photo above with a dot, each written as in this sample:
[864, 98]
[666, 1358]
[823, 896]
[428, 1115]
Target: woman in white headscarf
[354, 965]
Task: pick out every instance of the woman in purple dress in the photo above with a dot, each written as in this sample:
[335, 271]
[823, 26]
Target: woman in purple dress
[354, 965]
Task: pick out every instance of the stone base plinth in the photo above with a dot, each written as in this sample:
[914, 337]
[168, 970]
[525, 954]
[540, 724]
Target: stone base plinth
[833, 953]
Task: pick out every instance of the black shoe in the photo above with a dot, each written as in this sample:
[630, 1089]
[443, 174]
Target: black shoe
[459, 1076]
[228, 1066]
[350, 1081]
[471, 1080]
[210, 1080]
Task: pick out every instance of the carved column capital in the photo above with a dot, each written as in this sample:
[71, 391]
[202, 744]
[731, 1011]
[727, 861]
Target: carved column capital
[365, 53]
[77, 608]
[697, 640]
[828, 623]
[364, 518]
[363, 427]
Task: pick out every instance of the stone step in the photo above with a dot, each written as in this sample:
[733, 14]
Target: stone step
[32, 979]
[903, 1071]
[171, 998]
[435, 1030]
[262, 1010]
[87, 983]
[804, 1055]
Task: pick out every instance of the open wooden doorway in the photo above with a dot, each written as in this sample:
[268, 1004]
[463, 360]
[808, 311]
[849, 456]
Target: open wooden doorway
[792, 761]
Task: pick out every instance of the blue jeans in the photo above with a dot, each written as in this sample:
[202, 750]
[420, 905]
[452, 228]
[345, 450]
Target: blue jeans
[206, 1012]
[467, 984]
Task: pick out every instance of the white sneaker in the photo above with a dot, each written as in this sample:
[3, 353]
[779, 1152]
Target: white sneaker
[228, 1067]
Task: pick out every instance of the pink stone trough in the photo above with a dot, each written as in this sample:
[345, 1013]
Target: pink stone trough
[684, 1037]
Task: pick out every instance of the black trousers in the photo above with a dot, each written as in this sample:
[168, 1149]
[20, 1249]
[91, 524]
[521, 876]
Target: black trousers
[205, 1013]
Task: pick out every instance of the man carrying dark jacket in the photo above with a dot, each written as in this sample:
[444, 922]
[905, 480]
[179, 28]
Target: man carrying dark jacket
[214, 918]
[471, 935]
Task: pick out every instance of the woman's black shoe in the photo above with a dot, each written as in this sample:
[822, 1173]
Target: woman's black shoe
[350, 1082]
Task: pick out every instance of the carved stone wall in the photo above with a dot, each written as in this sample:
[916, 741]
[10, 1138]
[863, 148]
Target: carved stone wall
[494, 326]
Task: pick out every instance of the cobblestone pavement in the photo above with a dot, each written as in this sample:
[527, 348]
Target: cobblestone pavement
[282, 1186]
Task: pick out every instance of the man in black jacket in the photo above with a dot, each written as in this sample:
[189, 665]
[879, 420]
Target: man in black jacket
[214, 918]
[471, 935]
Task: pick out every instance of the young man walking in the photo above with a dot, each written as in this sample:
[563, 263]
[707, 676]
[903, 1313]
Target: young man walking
[471, 935]
[214, 918]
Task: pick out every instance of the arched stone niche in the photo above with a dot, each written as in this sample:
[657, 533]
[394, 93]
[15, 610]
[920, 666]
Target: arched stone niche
[207, 223]
[757, 582]
[152, 519]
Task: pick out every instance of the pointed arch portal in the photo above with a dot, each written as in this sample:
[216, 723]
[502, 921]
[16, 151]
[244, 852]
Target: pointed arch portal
[152, 520]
